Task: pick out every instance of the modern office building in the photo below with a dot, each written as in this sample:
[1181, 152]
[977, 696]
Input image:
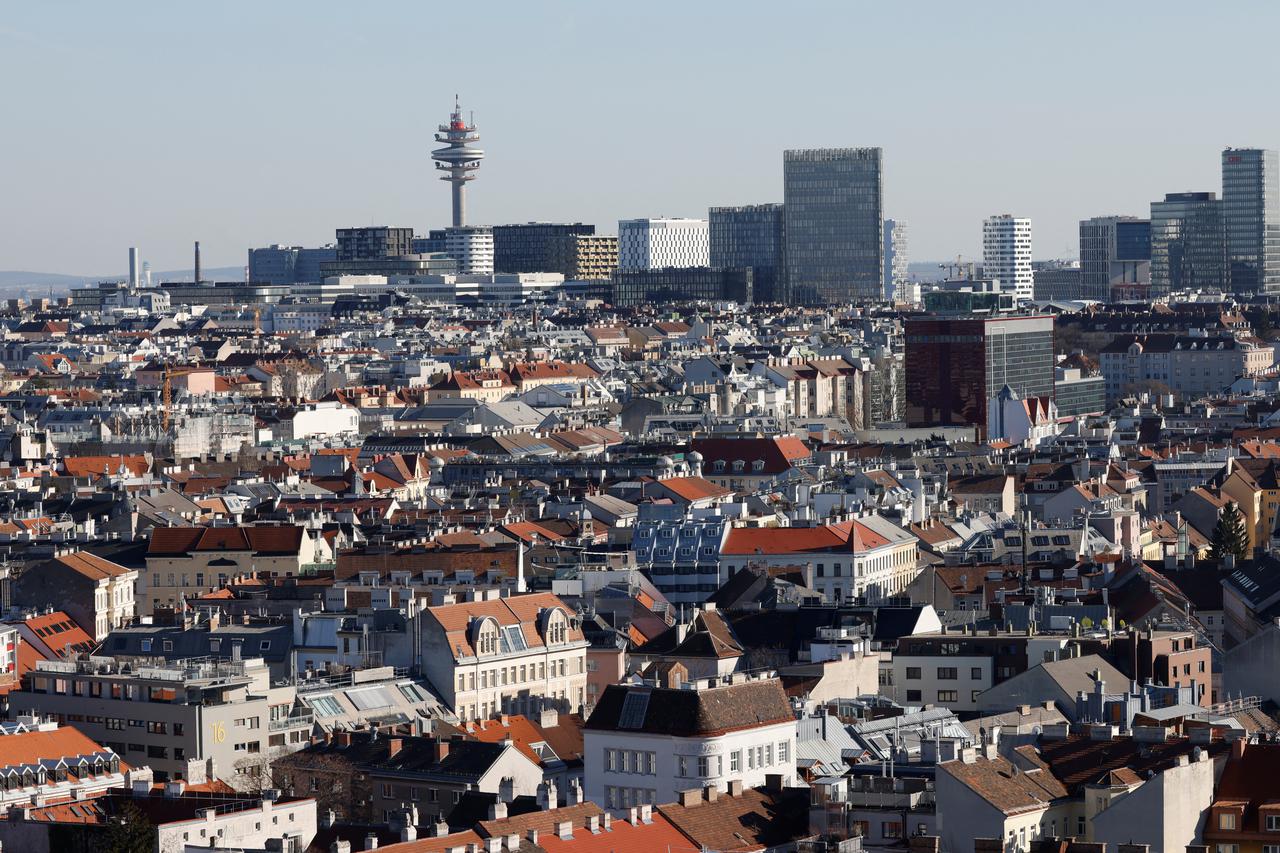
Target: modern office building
[682, 284]
[833, 225]
[649, 244]
[375, 242]
[1188, 243]
[895, 260]
[956, 365]
[1057, 280]
[1078, 393]
[472, 247]
[433, 243]
[1251, 214]
[1115, 257]
[595, 257]
[536, 246]
[278, 264]
[749, 236]
[1006, 254]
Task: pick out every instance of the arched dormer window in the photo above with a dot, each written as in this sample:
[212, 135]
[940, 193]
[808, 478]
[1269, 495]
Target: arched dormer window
[555, 627]
[485, 639]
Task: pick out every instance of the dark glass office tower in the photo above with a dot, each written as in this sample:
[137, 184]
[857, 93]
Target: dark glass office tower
[954, 365]
[537, 246]
[1251, 213]
[749, 236]
[833, 225]
[1188, 243]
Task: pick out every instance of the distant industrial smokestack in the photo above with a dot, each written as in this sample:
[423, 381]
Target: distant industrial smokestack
[198, 279]
[133, 266]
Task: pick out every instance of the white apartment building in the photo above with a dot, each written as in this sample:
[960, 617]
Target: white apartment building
[649, 244]
[868, 557]
[513, 655]
[645, 744]
[1006, 254]
[472, 247]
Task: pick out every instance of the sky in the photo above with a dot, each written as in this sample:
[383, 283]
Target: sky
[248, 123]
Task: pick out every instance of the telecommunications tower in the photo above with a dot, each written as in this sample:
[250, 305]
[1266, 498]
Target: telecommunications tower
[458, 159]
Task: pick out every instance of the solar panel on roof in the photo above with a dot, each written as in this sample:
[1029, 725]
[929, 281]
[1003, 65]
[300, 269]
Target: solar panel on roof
[634, 708]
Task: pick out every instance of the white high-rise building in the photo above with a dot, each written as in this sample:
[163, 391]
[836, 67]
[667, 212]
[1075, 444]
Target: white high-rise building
[472, 247]
[895, 261]
[652, 244]
[1006, 254]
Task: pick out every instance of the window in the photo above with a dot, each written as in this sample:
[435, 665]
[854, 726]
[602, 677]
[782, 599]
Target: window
[913, 696]
[784, 752]
[975, 673]
[1273, 823]
[891, 829]
[947, 673]
[735, 761]
[948, 696]
[1226, 820]
[913, 673]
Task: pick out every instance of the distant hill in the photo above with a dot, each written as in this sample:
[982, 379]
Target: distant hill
[18, 279]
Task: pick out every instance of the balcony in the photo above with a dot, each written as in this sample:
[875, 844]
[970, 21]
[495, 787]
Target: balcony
[291, 722]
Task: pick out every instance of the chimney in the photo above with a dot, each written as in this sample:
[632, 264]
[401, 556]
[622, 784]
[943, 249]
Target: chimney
[533, 837]
[340, 847]
[711, 792]
[646, 814]
[199, 279]
[498, 811]
[690, 798]
[593, 824]
[564, 829]
[1237, 748]
[370, 842]
[574, 797]
[606, 821]
[548, 797]
[735, 787]
[442, 750]
[393, 746]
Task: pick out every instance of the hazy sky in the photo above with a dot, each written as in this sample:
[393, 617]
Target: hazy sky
[248, 123]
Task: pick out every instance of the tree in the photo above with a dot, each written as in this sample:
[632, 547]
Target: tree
[1230, 536]
[129, 831]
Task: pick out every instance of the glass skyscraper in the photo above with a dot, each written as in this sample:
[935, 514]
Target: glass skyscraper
[833, 225]
[1251, 213]
[749, 236]
[1115, 257]
[1188, 243]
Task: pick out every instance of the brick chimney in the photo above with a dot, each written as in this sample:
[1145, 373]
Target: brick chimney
[393, 746]
[442, 750]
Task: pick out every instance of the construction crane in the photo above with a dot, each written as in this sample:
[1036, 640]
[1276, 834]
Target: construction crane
[166, 400]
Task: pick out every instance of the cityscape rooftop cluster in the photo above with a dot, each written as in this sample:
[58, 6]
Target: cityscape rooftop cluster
[727, 534]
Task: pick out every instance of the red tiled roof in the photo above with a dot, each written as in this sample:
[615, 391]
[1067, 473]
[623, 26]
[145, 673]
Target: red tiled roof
[94, 466]
[178, 541]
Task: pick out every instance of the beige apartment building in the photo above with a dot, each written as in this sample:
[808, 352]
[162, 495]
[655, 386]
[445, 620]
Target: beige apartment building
[513, 655]
[188, 561]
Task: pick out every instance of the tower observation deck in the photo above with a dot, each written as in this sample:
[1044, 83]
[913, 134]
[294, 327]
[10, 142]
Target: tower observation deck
[458, 159]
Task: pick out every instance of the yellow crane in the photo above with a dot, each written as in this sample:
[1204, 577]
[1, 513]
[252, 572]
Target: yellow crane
[166, 400]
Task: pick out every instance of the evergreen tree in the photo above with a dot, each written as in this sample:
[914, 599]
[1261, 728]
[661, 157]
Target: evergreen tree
[1230, 535]
[129, 832]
